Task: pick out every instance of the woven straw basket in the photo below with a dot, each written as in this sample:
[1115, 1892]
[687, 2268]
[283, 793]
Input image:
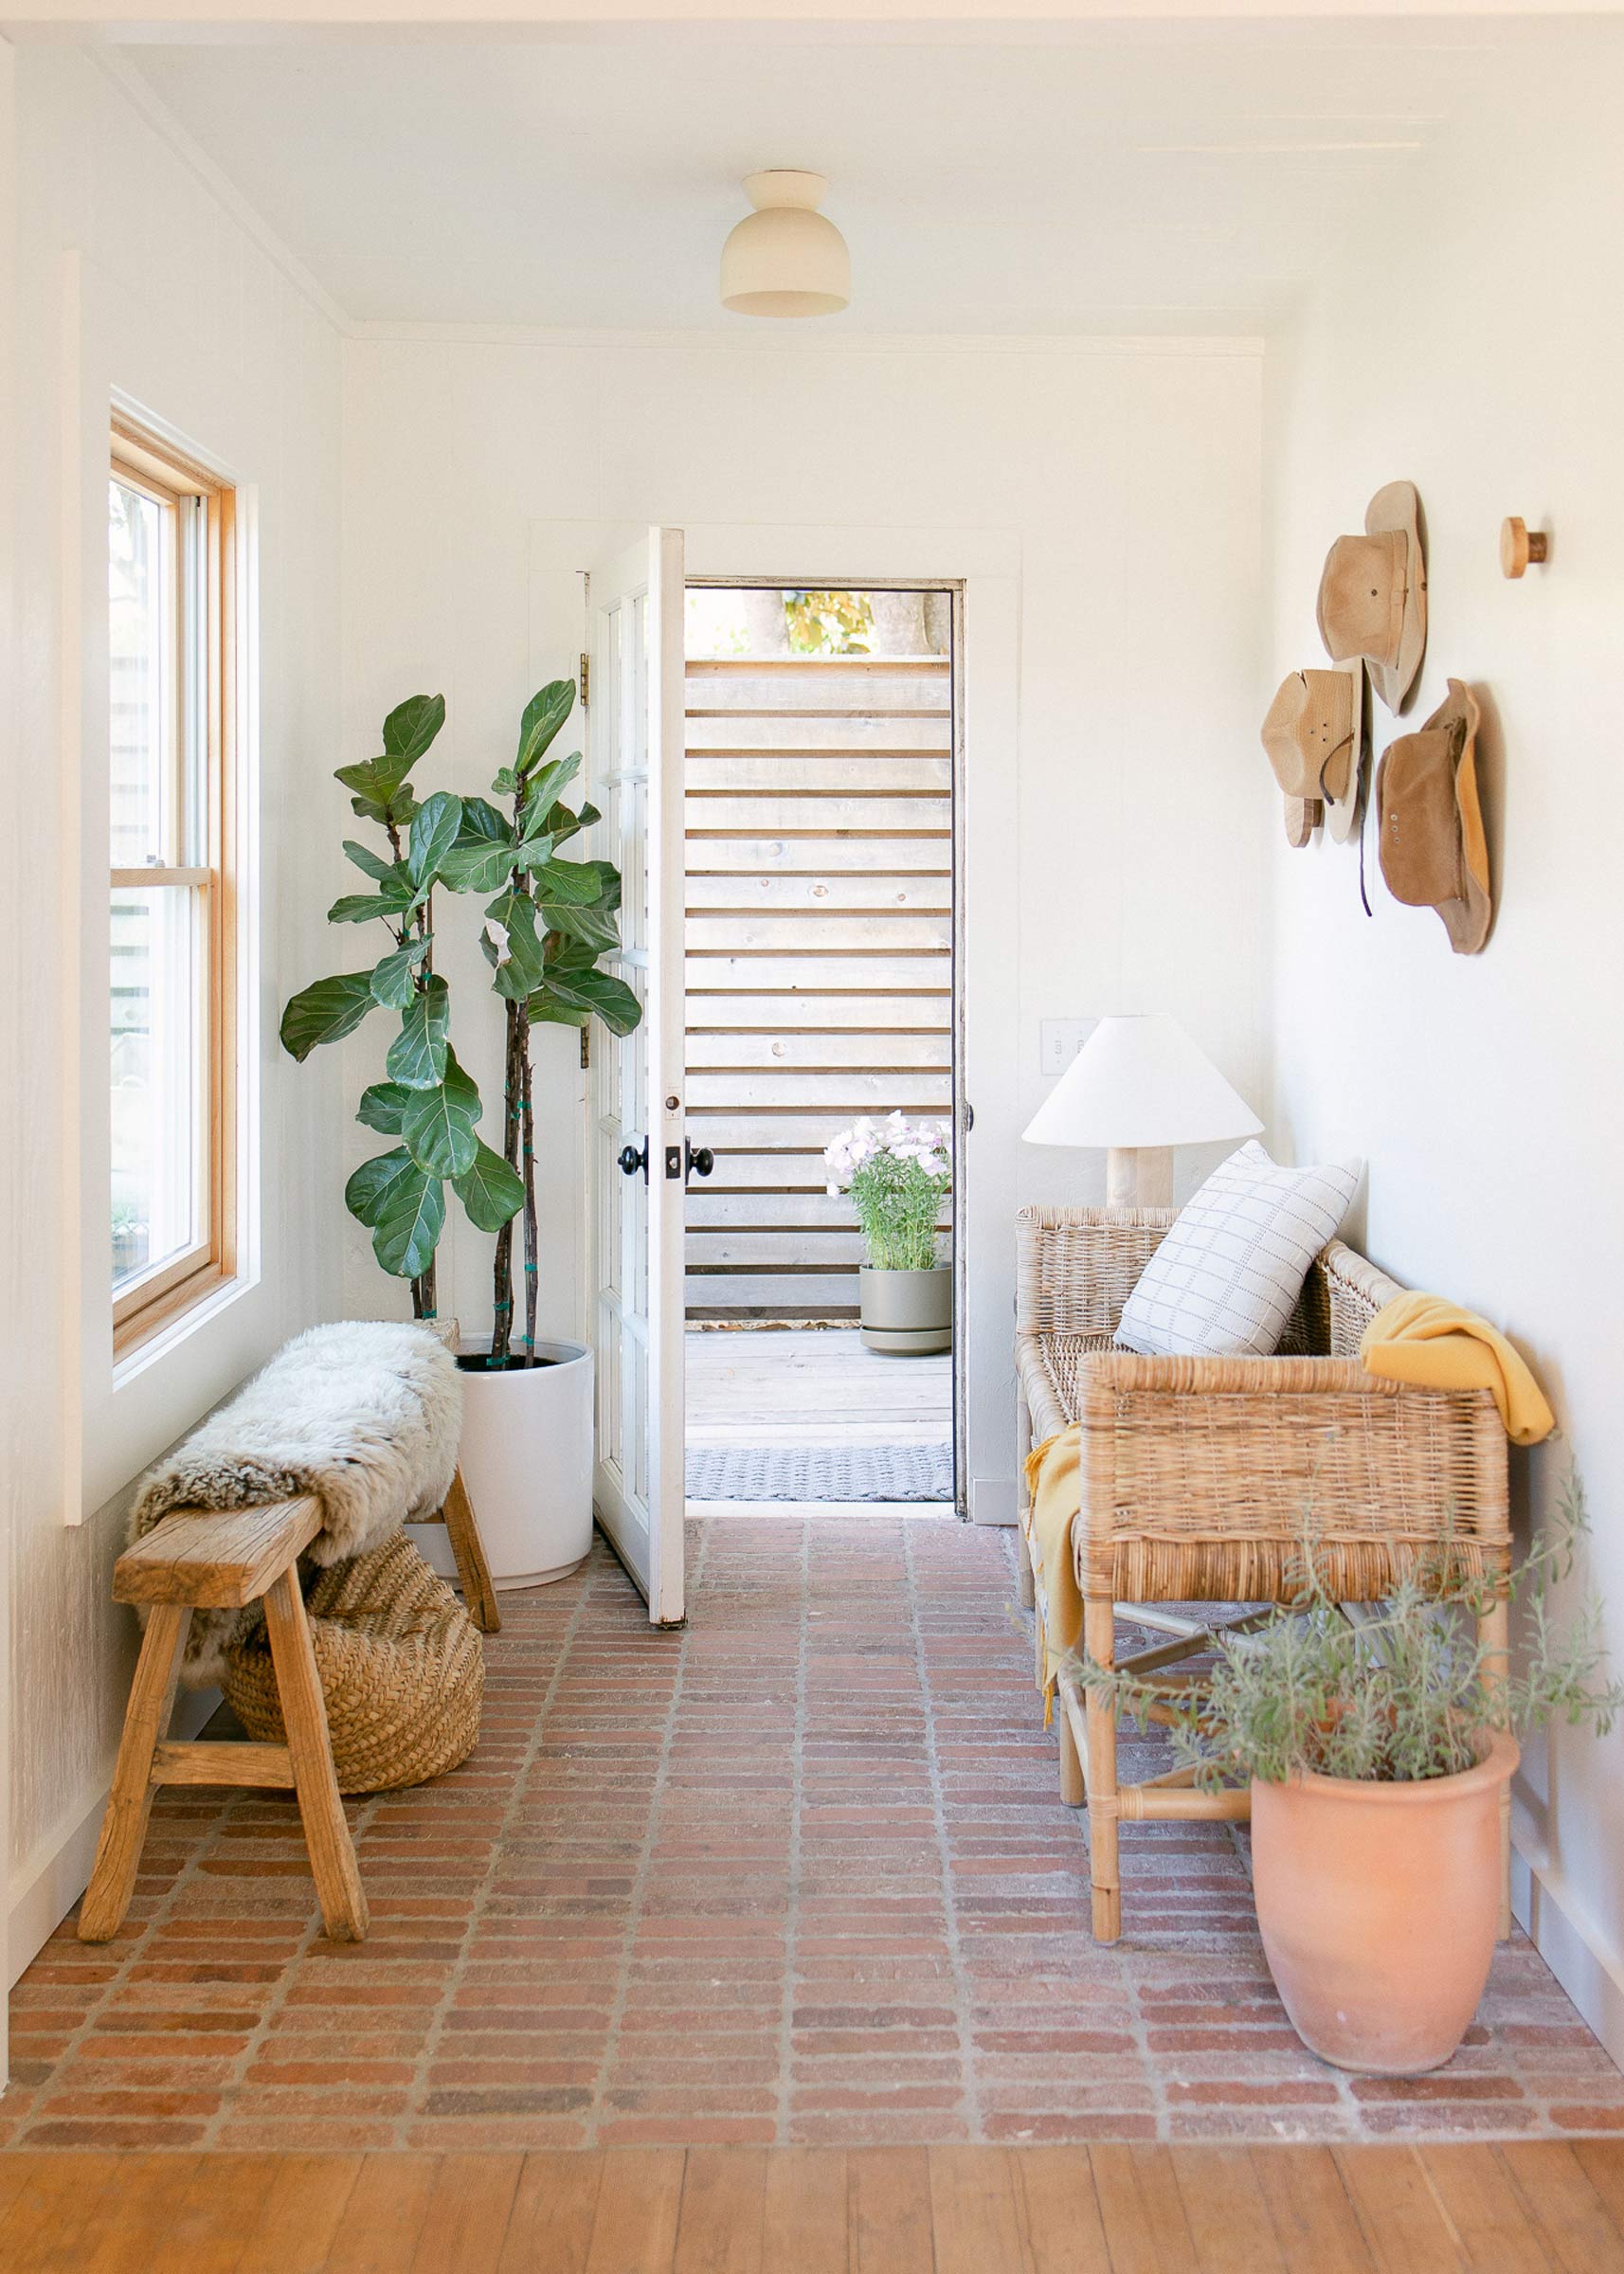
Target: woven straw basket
[401, 1666]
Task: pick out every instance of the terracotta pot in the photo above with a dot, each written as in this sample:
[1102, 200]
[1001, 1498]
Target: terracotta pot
[1379, 1905]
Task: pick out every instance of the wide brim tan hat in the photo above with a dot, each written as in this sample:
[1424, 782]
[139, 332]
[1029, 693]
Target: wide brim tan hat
[1343, 778]
[1373, 594]
[1433, 845]
[1309, 732]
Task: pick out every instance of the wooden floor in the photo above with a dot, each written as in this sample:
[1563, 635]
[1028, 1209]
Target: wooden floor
[812, 1386]
[1504, 2210]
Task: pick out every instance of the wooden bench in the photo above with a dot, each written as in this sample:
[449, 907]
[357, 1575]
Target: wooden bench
[192, 1562]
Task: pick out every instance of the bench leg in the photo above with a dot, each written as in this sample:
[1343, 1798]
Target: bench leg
[1023, 1447]
[130, 1803]
[469, 1549]
[305, 1716]
[1099, 1639]
[1073, 1789]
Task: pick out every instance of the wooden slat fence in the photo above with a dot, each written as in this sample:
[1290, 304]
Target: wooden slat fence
[820, 954]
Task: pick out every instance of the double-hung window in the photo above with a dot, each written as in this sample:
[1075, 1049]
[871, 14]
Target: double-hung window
[170, 528]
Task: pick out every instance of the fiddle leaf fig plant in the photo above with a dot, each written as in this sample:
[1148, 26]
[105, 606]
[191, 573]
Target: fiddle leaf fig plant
[428, 1103]
[549, 925]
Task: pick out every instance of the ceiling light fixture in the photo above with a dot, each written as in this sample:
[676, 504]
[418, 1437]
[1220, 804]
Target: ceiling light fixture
[784, 258]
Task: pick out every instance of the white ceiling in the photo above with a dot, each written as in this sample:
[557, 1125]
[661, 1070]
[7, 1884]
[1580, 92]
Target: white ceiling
[1158, 177]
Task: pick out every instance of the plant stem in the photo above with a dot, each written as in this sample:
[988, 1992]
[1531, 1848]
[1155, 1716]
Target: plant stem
[531, 1242]
[502, 1269]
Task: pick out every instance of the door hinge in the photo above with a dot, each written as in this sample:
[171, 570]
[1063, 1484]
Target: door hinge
[585, 1046]
[585, 681]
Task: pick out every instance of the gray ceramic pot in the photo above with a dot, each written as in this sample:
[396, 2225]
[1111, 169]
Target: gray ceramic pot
[908, 1314]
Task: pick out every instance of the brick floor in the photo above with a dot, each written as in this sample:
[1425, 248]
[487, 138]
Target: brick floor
[734, 1885]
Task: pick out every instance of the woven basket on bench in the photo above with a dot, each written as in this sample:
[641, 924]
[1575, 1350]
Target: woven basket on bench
[400, 1666]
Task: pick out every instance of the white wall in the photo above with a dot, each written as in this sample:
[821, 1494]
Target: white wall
[182, 309]
[1122, 480]
[1473, 342]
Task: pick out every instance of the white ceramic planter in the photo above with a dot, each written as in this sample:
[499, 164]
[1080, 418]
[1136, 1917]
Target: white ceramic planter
[527, 1462]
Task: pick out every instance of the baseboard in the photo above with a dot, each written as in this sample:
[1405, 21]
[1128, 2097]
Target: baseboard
[48, 1882]
[992, 1500]
[1588, 1968]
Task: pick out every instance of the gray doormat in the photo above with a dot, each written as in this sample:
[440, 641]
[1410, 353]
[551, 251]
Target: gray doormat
[819, 1473]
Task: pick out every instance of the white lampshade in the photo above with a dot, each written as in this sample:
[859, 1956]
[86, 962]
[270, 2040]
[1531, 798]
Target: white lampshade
[786, 259]
[1140, 1082]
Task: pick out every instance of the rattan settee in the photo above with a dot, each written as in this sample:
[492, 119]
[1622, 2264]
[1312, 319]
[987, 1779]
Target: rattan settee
[1197, 1477]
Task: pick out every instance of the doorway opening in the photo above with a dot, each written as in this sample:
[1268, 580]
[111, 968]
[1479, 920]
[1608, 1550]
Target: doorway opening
[821, 903]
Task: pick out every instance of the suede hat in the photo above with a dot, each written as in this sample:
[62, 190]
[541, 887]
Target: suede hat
[1313, 738]
[1373, 594]
[1433, 847]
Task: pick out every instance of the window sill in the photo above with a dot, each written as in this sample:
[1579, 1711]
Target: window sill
[150, 1346]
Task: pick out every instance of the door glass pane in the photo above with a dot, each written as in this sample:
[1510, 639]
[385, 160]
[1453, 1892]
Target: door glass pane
[141, 651]
[157, 1203]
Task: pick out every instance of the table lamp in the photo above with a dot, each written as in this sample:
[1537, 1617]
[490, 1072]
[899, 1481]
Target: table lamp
[1137, 1087]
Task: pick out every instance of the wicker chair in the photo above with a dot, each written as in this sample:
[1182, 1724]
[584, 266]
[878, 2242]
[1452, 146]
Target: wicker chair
[1196, 1472]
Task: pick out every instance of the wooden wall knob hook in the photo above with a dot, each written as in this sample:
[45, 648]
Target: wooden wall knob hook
[1518, 545]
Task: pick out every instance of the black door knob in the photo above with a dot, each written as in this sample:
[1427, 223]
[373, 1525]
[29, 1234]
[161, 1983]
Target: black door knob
[632, 1159]
[701, 1160]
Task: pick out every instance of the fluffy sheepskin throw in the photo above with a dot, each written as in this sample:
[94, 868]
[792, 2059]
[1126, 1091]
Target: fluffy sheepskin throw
[365, 1416]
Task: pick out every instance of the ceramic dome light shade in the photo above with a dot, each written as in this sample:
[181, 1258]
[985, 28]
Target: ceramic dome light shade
[786, 259]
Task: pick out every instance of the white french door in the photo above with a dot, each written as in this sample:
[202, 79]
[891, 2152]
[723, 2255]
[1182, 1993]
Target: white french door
[637, 1167]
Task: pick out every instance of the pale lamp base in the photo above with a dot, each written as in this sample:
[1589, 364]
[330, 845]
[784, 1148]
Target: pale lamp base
[1139, 1176]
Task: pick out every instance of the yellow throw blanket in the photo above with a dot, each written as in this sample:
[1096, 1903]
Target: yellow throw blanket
[1054, 1481]
[1435, 1346]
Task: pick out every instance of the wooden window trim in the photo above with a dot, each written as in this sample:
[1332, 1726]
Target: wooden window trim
[161, 1295]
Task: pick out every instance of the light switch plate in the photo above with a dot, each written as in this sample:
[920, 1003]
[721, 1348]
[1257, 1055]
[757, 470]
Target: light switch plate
[1059, 1040]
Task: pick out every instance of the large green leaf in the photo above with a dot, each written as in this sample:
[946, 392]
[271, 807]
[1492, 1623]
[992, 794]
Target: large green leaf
[492, 1192]
[545, 713]
[522, 965]
[396, 976]
[571, 883]
[594, 927]
[393, 899]
[325, 1012]
[382, 1106]
[437, 1124]
[372, 864]
[434, 832]
[541, 791]
[609, 877]
[409, 1223]
[378, 786]
[403, 1208]
[367, 1193]
[481, 820]
[598, 992]
[417, 1055]
[563, 824]
[413, 726]
[534, 854]
[480, 867]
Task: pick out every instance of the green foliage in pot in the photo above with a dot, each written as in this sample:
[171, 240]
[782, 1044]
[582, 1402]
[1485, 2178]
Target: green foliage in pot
[1404, 1692]
[550, 925]
[428, 1103]
[897, 1172]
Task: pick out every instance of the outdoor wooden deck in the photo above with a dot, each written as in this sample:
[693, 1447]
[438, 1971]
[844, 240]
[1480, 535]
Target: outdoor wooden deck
[813, 1386]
